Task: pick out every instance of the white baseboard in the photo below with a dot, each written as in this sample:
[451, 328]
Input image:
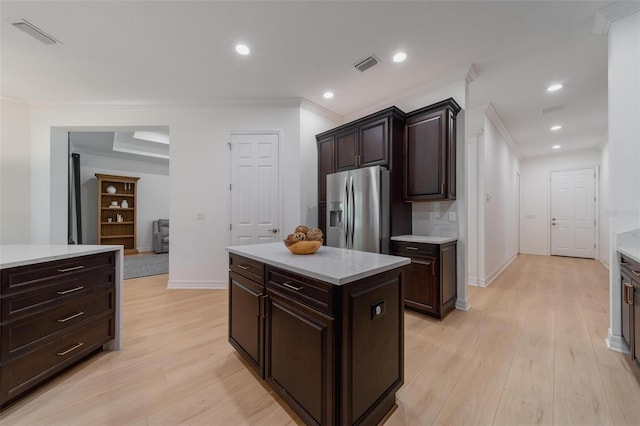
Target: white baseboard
[537, 253]
[197, 284]
[462, 305]
[492, 276]
[476, 282]
[145, 249]
[604, 264]
[616, 343]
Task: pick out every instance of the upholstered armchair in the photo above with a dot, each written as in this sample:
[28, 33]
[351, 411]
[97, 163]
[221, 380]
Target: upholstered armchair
[161, 235]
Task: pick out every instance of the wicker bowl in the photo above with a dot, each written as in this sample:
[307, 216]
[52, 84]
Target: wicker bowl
[303, 247]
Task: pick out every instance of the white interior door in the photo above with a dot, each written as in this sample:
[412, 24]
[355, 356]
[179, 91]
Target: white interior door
[573, 213]
[254, 188]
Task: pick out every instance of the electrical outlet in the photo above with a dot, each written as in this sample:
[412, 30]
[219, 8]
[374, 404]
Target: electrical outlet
[377, 310]
[452, 216]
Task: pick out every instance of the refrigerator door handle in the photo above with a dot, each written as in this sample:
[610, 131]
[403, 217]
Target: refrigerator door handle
[352, 211]
[346, 213]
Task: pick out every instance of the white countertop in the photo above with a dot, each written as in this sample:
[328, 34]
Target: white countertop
[628, 243]
[330, 264]
[26, 254]
[632, 252]
[424, 239]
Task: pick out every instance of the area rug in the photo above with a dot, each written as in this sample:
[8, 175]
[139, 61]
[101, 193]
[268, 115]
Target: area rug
[143, 266]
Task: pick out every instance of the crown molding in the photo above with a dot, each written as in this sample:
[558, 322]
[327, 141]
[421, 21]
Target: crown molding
[604, 139]
[320, 110]
[220, 102]
[612, 12]
[493, 116]
[15, 101]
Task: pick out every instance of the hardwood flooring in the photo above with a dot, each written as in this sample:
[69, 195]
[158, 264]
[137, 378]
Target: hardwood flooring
[530, 351]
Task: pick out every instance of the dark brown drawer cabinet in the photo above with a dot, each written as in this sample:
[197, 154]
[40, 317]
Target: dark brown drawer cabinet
[53, 314]
[430, 152]
[430, 279]
[630, 286]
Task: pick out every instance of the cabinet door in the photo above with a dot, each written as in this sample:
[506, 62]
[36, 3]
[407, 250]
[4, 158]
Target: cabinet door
[246, 320]
[448, 275]
[636, 324]
[424, 158]
[347, 150]
[300, 365]
[627, 309]
[326, 166]
[374, 143]
[421, 291]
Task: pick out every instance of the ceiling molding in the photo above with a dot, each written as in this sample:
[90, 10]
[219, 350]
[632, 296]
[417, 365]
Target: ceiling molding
[472, 73]
[221, 102]
[604, 139]
[605, 16]
[320, 110]
[493, 116]
[16, 101]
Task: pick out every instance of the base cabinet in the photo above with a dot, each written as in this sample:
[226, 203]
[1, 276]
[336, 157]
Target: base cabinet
[630, 286]
[430, 279]
[322, 343]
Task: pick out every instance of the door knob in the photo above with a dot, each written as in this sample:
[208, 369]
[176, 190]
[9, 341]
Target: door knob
[274, 230]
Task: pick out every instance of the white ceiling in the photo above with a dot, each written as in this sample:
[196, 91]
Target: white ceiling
[183, 52]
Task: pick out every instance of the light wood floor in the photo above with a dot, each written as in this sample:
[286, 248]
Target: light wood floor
[530, 351]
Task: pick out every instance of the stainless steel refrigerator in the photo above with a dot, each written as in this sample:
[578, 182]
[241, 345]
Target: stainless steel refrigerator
[358, 215]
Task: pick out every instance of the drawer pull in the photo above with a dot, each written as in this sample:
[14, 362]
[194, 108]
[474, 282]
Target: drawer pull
[636, 273]
[70, 349]
[244, 267]
[411, 248]
[75, 268]
[292, 287]
[71, 317]
[71, 290]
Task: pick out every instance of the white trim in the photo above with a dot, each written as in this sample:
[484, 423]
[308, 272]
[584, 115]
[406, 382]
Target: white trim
[493, 116]
[612, 12]
[615, 342]
[492, 276]
[144, 249]
[197, 284]
[476, 282]
[16, 101]
[462, 305]
[322, 111]
[601, 260]
[220, 102]
[534, 252]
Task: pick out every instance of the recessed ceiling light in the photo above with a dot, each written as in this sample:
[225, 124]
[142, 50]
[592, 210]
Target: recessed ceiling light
[327, 95]
[556, 127]
[555, 87]
[399, 57]
[242, 49]
[555, 147]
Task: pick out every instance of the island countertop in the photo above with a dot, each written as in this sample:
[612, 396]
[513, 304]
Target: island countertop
[424, 239]
[330, 264]
[26, 254]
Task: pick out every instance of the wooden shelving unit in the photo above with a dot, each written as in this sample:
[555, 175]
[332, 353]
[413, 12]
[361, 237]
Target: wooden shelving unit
[114, 232]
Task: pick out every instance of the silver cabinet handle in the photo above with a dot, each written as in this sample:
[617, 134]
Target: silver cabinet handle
[244, 267]
[70, 349]
[411, 248]
[75, 268]
[71, 317]
[636, 273]
[292, 287]
[71, 290]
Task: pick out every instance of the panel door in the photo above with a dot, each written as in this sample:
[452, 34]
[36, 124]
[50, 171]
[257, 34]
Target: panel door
[573, 213]
[374, 143]
[300, 365]
[627, 310]
[421, 284]
[424, 158]
[326, 166]
[636, 324]
[254, 188]
[346, 146]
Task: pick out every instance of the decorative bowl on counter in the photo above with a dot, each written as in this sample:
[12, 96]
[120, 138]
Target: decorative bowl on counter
[303, 247]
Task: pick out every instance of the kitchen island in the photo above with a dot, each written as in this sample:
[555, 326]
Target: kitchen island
[60, 303]
[324, 330]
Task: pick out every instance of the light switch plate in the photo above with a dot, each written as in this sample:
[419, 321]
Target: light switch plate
[452, 216]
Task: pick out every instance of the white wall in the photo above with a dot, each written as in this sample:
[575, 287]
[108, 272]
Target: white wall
[499, 203]
[15, 170]
[603, 246]
[199, 175]
[152, 194]
[624, 149]
[535, 186]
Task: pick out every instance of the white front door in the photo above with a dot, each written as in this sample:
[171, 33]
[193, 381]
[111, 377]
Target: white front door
[573, 213]
[254, 188]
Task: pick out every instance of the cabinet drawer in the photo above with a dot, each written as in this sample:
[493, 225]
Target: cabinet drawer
[28, 277]
[630, 266]
[27, 333]
[19, 305]
[315, 294]
[246, 267]
[28, 371]
[414, 249]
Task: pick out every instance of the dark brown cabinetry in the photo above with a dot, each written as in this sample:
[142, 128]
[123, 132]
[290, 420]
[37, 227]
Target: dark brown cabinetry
[430, 152]
[430, 279]
[322, 341]
[630, 283]
[369, 141]
[53, 314]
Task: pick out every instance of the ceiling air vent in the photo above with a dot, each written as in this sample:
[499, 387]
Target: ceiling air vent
[554, 109]
[366, 63]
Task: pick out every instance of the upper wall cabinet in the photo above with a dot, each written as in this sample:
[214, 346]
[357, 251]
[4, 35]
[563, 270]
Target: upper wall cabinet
[430, 153]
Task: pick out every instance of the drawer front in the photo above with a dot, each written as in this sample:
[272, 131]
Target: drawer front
[28, 277]
[246, 267]
[315, 294]
[30, 370]
[630, 266]
[27, 333]
[414, 249]
[22, 304]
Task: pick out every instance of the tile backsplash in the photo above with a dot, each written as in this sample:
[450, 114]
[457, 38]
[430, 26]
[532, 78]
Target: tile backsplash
[435, 219]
